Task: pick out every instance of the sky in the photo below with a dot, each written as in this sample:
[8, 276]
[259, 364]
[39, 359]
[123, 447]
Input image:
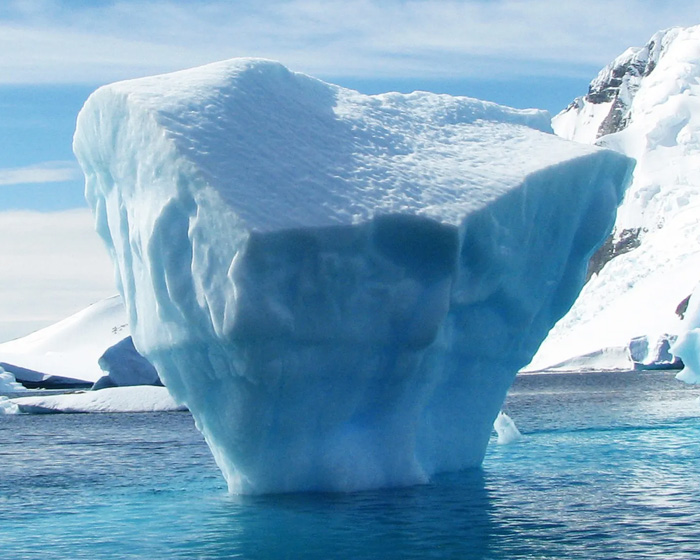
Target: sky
[53, 53]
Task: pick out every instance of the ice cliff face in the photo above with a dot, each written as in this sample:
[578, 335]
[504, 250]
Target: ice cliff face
[339, 287]
[653, 96]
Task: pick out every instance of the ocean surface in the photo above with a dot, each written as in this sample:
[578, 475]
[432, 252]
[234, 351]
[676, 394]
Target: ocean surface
[608, 468]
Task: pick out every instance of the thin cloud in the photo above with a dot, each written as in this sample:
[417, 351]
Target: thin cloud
[48, 41]
[48, 172]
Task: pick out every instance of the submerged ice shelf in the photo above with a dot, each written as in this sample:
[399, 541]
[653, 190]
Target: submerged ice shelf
[339, 287]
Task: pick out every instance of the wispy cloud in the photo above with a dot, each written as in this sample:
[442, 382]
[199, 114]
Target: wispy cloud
[61, 41]
[47, 172]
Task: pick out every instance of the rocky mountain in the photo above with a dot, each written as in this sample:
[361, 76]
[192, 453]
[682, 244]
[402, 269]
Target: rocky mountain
[645, 104]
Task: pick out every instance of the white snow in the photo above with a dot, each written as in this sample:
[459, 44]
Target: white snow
[581, 121]
[339, 287]
[637, 293]
[72, 347]
[117, 399]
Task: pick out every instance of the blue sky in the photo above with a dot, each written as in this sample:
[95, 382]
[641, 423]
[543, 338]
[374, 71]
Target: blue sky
[53, 53]
[519, 52]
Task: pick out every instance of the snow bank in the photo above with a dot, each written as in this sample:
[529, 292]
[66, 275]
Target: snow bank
[616, 358]
[116, 399]
[647, 106]
[339, 287]
[70, 348]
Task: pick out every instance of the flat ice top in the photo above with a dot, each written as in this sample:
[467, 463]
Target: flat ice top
[340, 157]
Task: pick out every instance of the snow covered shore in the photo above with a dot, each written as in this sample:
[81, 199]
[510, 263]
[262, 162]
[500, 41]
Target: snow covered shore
[644, 104]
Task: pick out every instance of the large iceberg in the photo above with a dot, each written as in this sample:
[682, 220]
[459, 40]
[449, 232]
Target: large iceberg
[340, 287]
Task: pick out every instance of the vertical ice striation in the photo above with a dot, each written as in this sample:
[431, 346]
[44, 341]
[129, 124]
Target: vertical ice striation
[339, 287]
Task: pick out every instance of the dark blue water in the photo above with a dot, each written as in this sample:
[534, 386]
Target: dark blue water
[609, 468]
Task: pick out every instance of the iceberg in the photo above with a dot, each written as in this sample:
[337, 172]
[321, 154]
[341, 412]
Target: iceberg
[506, 429]
[8, 383]
[125, 367]
[687, 346]
[339, 287]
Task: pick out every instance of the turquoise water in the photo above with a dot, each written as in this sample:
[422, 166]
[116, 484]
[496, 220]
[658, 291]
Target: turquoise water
[608, 468]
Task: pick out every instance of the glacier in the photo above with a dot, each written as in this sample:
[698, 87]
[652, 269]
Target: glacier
[339, 287]
[646, 105]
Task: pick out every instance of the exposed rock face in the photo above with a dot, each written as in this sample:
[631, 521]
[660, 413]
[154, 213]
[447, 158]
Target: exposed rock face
[619, 82]
[605, 109]
[615, 245]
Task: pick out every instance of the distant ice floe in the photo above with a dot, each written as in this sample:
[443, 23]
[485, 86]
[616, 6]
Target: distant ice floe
[116, 399]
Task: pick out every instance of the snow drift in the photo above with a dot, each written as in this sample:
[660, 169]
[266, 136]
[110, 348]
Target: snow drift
[339, 287]
[644, 104]
[67, 353]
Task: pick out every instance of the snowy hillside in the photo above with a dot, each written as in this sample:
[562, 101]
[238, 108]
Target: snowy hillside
[70, 348]
[645, 104]
[340, 287]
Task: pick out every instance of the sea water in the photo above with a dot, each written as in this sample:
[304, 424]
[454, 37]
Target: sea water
[607, 468]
